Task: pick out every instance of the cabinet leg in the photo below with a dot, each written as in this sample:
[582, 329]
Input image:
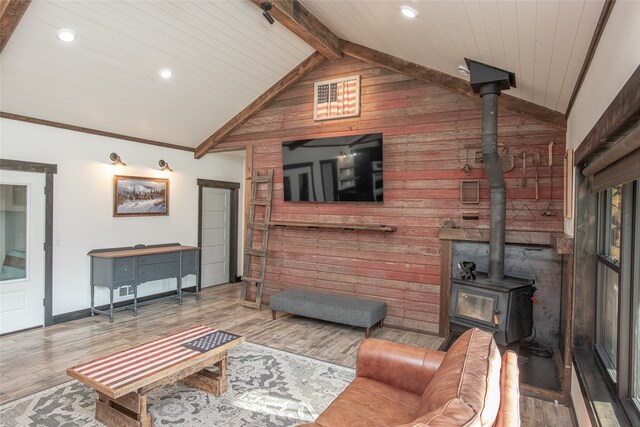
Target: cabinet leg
[111, 305]
[180, 290]
[135, 301]
[93, 304]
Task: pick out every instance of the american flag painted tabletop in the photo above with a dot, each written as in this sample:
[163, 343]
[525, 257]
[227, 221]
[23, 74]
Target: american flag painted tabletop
[128, 370]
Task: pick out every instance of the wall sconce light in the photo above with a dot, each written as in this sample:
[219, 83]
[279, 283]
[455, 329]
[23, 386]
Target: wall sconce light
[164, 166]
[117, 161]
[342, 154]
[266, 7]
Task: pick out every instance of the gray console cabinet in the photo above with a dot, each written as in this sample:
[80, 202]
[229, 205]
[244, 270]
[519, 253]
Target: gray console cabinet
[133, 266]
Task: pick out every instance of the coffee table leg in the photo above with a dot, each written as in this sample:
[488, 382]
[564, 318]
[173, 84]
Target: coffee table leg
[222, 379]
[214, 383]
[128, 410]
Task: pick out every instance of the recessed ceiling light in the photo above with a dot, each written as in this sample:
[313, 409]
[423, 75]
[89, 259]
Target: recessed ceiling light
[66, 35]
[408, 11]
[463, 70]
[165, 73]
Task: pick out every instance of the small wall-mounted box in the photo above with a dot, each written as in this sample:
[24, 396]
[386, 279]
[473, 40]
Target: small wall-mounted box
[470, 191]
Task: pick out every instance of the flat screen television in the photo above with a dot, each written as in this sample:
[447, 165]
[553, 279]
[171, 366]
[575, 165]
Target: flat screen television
[335, 169]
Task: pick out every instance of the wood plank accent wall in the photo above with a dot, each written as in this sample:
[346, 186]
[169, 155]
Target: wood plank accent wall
[427, 130]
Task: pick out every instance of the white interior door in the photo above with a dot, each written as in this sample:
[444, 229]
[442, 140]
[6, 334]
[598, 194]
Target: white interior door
[215, 236]
[22, 223]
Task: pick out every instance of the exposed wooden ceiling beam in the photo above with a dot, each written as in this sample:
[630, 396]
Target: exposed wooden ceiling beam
[422, 73]
[305, 25]
[597, 33]
[262, 101]
[11, 12]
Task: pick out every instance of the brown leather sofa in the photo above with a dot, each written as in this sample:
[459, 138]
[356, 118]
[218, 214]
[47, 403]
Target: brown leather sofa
[406, 386]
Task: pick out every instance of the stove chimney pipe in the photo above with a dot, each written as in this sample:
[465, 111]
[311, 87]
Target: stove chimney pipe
[489, 81]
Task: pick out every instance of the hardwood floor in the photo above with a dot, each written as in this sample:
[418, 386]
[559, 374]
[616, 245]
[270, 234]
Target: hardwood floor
[34, 360]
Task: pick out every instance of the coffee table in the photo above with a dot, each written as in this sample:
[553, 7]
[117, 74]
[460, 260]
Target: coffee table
[123, 379]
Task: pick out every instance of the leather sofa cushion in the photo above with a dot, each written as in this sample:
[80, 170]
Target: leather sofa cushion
[470, 372]
[368, 403]
[453, 413]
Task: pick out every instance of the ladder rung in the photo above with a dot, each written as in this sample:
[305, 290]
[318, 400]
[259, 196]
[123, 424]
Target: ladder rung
[250, 304]
[255, 252]
[258, 225]
[251, 280]
[260, 178]
[263, 202]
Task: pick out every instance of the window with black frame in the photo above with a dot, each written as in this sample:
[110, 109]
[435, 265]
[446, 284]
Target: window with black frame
[609, 242]
[617, 340]
[635, 301]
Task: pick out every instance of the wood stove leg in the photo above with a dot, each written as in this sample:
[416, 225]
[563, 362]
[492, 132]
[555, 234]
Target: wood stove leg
[381, 323]
[366, 332]
[129, 410]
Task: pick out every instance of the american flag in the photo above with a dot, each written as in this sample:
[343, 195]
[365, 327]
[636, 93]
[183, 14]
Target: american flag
[124, 367]
[337, 99]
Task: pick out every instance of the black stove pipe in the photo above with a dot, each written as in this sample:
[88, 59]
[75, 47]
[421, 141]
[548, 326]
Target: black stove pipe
[491, 159]
[489, 81]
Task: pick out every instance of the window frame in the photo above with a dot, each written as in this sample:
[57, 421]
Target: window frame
[605, 261]
[628, 304]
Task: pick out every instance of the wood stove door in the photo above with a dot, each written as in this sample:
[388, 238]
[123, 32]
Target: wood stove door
[475, 305]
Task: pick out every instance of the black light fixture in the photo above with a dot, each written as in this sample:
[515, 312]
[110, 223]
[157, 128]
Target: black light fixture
[266, 7]
[164, 166]
[117, 161]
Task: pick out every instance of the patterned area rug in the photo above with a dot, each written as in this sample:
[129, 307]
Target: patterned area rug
[267, 387]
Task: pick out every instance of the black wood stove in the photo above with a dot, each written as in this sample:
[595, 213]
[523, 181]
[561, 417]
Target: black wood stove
[491, 301]
[504, 307]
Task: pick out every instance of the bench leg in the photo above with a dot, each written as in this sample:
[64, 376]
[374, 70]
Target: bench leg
[367, 331]
[273, 314]
[214, 383]
[129, 410]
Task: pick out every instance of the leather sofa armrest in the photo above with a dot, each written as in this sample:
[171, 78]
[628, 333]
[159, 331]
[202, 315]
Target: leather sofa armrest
[509, 412]
[402, 366]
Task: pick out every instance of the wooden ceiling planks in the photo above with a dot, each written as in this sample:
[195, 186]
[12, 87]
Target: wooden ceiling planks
[262, 101]
[425, 74]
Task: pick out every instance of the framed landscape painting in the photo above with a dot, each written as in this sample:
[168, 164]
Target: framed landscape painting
[138, 196]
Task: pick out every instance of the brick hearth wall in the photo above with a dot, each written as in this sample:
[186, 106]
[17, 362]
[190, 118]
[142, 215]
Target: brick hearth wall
[426, 131]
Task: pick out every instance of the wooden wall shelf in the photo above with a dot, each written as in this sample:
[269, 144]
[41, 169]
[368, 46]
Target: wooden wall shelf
[333, 225]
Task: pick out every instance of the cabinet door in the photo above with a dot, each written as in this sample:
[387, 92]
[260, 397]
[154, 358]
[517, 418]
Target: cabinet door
[148, 273]
[123, 269]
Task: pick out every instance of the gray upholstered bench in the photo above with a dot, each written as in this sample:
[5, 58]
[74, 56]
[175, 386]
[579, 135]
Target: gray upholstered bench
[353, 311]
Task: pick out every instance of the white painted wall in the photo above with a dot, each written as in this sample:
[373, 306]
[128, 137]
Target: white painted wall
[83, 200]
[616, 58]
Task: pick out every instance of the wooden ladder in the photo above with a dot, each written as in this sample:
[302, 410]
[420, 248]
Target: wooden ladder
[262, 226]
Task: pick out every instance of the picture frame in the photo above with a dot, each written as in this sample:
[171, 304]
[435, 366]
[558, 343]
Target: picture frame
[140, 196]
[337, 98]
[568, 184]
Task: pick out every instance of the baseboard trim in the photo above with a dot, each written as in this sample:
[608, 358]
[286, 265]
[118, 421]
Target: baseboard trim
[86, 312]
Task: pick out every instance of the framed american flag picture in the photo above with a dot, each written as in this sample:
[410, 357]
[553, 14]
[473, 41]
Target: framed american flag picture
[337, 98]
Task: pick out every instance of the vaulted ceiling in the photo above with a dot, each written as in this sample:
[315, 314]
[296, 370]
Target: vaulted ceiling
[224, 55]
